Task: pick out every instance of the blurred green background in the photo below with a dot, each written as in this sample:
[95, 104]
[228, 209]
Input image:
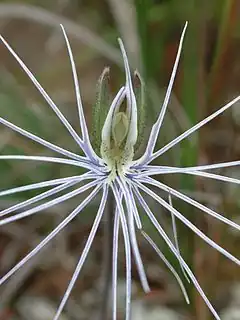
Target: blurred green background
[208, 77]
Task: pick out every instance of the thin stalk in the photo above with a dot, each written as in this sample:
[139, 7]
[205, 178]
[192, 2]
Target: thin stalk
[107, 257]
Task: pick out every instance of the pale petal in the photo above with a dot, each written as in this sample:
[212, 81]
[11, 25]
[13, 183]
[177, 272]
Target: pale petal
[85, 252]
[127, 249]
[107, 127]
[155, 170]
[51, 235]
[175, 235]
[188, 270]
[131, 100]
[131, 209]
[129, 201]
[152, 218]
[213, 176]
[114, 263]
[39, 197]
[45, 95]
[43, 142]
[50, 203]
[195, 168]
[87, 144]
[192, 202]
[83, 163]
[189, 224]
[170, 267]
[39, 185]
[157, 125]
[193, 129]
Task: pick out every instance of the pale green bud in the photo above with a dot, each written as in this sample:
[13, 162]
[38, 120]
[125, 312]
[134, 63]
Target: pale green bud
[120, 131]
[120, 128]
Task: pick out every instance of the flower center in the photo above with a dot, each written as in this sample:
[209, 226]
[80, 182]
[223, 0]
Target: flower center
[115, 151]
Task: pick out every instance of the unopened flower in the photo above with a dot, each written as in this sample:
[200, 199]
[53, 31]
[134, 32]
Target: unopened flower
[111, 165]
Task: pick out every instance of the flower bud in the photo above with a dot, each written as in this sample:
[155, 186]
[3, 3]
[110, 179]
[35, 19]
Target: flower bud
[100, 109]
[119, 128]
